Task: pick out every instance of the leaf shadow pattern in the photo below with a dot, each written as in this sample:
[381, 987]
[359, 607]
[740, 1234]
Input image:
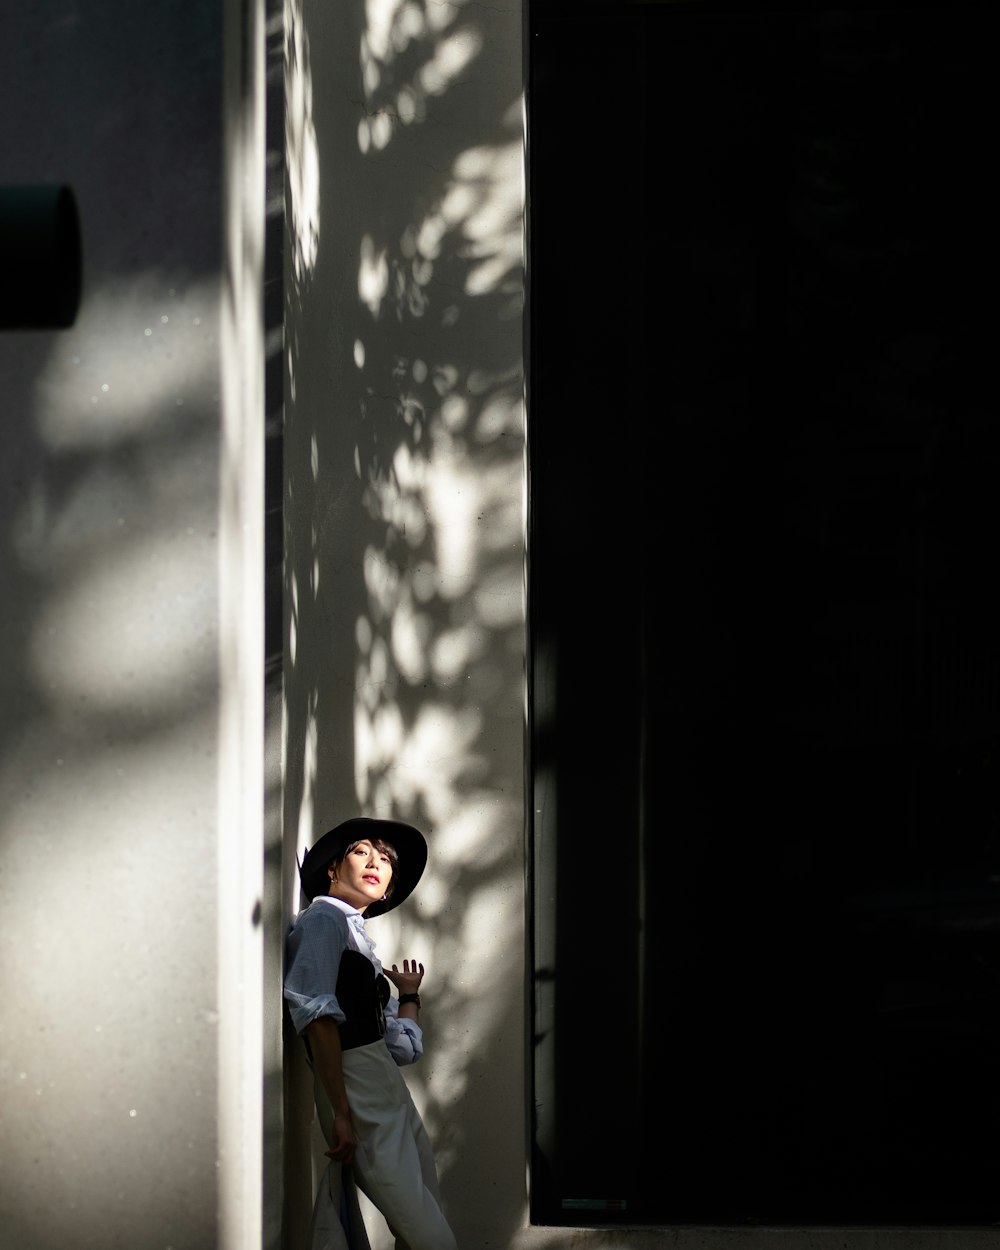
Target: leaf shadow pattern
[404, 491]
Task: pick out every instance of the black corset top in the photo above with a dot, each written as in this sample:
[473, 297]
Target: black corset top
[362, 993]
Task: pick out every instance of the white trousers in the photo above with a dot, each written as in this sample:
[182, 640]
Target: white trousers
[393, 1162]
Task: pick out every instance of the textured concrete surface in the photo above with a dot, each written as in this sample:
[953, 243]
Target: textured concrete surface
[109, 721]
[404, 520]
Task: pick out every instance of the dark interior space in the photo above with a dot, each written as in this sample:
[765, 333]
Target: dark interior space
[764, 452]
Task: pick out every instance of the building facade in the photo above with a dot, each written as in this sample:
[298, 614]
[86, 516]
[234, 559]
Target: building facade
[303, 229]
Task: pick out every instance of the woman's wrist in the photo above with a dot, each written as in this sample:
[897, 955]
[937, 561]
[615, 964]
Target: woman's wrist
[409, 998]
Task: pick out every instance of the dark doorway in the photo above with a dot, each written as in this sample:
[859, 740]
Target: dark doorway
[764, 454]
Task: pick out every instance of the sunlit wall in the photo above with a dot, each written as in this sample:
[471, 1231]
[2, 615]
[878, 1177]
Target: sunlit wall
[124, 493]
[404, 525]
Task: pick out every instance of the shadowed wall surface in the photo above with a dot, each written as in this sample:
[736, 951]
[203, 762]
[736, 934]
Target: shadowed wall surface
[110, 538]
[791, 619]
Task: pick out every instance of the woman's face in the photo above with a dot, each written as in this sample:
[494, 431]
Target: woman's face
[362, 876]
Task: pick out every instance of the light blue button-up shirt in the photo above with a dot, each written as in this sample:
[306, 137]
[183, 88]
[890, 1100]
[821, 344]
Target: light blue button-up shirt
[315, 943]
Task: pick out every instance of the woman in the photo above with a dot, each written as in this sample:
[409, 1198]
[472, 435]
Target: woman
[356, 1035]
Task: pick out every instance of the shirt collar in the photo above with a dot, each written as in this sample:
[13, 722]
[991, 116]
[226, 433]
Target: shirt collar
[357, 922]
[350, 912]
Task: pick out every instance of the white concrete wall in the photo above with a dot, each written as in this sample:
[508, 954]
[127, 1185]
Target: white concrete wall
[404, 525]
[128, 556]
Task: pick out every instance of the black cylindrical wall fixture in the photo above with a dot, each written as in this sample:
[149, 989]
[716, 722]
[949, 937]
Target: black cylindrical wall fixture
[40, 258]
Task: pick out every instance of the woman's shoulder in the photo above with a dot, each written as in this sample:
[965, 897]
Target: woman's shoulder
[319, 916]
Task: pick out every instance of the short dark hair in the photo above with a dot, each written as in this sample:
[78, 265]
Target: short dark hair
[383, 848]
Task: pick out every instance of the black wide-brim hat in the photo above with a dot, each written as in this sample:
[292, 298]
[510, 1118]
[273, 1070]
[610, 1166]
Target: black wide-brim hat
[408, 843]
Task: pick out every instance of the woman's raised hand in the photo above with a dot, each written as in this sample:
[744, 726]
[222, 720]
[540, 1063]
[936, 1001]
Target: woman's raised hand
[407, 981]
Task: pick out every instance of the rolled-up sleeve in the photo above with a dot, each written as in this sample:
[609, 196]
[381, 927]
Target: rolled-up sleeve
[404, 1038]
[312, 963]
